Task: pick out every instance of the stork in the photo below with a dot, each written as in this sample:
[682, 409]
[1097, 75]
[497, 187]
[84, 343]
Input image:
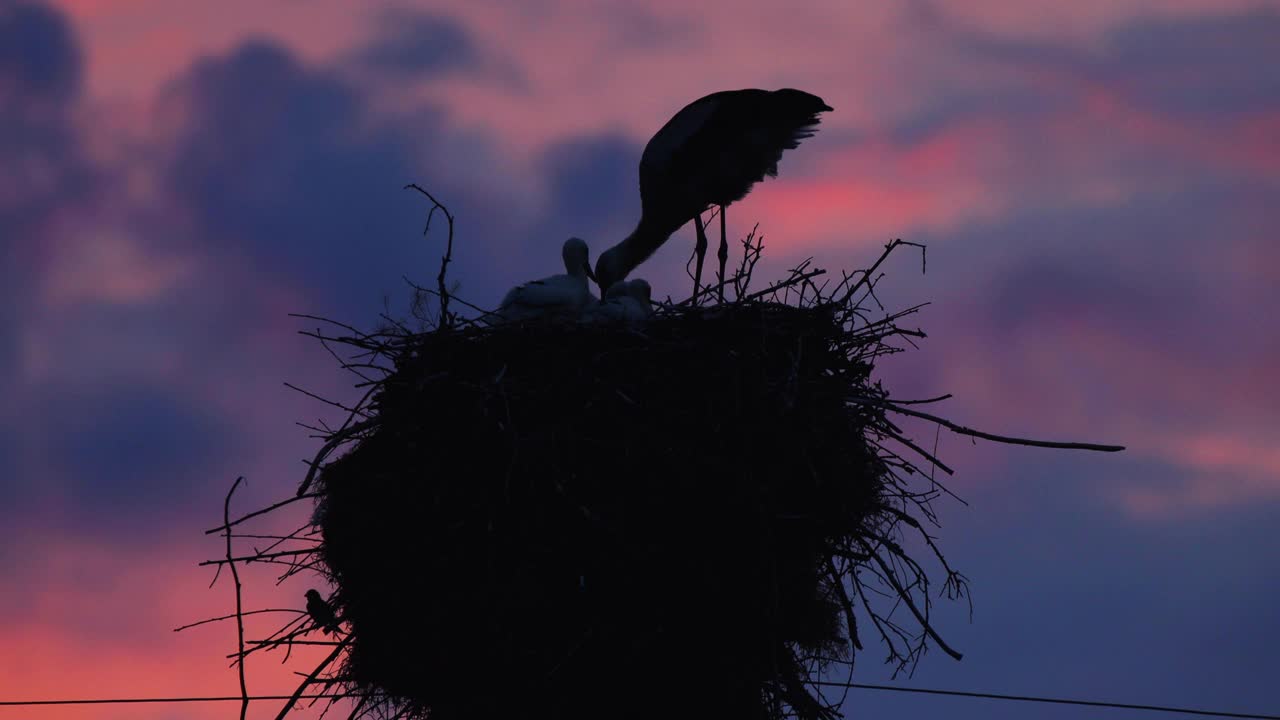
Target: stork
[709, 153]
[565, 295]
[626, 302]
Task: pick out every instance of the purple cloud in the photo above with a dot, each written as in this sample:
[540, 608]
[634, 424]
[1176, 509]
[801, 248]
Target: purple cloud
[419, 45]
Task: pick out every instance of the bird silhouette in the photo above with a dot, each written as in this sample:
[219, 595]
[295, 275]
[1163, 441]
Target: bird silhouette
[710, 153]
[559, 295]
[626, 302]
[320, 612]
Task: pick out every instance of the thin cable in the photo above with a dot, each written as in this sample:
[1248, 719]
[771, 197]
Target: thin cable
[127, 701]
[859, 686]
[1056, 701]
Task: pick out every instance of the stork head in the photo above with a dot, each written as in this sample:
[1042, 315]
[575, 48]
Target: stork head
[577, 258]
[610, 269]
[641, 290]
[313, 595]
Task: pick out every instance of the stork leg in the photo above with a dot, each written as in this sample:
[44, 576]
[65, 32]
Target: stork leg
[723, 254]
[699, 252]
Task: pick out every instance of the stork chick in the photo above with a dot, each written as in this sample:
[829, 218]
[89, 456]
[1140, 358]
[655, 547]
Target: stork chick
[556, 296]
[626, 302]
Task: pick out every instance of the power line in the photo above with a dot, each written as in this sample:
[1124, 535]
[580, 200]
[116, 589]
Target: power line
[859, 686]
[135, 701]
[1056, 701]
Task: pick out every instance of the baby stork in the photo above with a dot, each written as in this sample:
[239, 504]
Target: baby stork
[564, 296]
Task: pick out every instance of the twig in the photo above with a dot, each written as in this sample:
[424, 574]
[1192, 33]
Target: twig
[785, 283]
[302, 687]
[905, 595]
[866, 274]
[419, 288]
[837, 581]
[326, 401]
[340, 436]
[235, 576]
[256, 513]
[962, 430]
[259, 557]
[228, 617]
[445, 322]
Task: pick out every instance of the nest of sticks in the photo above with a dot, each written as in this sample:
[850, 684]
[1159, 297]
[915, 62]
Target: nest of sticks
[697, 518]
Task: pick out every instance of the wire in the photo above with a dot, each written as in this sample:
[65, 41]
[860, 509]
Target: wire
[1057, 701]
[126, 701]
[860, 686]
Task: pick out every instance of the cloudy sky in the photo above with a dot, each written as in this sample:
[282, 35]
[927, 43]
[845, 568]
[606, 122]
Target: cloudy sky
[1098, 184]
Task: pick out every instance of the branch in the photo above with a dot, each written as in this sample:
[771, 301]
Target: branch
[905, 595]
[235, 576]
[962, 430]
[837, 581]
[260, 557]
[793, 280]
[342, 435]
[866, 274]
[302, 687]
[256, 513]
[448, 255]
[228, 617]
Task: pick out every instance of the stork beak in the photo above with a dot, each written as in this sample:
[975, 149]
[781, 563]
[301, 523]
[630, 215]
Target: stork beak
[591, 275]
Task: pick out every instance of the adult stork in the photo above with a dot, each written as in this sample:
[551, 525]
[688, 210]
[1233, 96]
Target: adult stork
[556, 296]
[709, 153]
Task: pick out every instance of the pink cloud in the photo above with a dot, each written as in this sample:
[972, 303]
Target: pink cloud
[108, 265]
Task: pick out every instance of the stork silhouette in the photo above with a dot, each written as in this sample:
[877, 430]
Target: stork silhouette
[559, 295]
[710, 153]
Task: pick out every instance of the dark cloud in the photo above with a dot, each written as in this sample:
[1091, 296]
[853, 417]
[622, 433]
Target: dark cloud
[594, 184]
[129, 441]
[39, 57]
[1200, 66]
[40, 70]
[283, 165]
[1011, 106]
[1042, 292]
[1083, 577]
[420, 44]
[1207, 71]
[42, 170]
[1140, 314]
[636, 27]
[128, 456]
[1145, 266]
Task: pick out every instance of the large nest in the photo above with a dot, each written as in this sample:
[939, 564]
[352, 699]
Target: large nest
[555, 520]
[559, 517]
[559, 520]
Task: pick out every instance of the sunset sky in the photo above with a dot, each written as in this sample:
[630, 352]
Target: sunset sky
[1097, 182]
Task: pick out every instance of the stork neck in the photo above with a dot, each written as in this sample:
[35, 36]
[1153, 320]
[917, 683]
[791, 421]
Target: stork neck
[646, 239]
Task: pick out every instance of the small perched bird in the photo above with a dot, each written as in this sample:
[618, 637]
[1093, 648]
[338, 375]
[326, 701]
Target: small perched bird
[627, 302]
[557, 296]
[320, 612]
[709, 153]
